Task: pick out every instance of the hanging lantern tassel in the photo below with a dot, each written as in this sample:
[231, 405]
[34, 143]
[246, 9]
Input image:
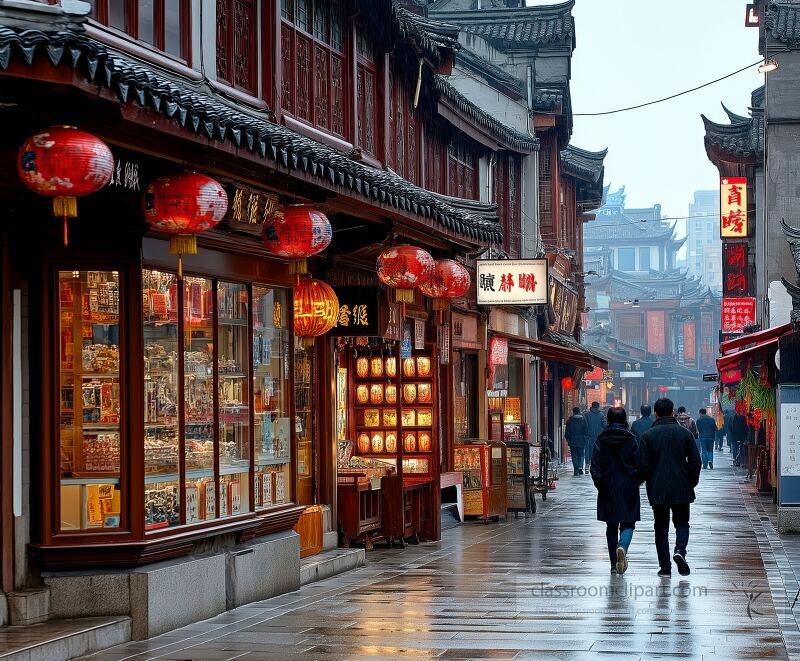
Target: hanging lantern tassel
[66, 208]
[180, 245]
[298, 266]
[404, 295]
[441, 304]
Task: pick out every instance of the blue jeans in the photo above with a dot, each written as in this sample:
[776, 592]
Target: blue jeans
[707, 451]
[578, 454]
[625, 531]
[589, 451]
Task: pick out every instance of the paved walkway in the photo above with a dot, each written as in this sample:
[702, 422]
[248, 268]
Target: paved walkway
[535, 588]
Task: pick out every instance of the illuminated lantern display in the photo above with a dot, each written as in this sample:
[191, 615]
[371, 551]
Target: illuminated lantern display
[184, 205]
[404, 268]
[299, 232]
[567, 383]
[316, 309]
[65, 164]
[449, 280]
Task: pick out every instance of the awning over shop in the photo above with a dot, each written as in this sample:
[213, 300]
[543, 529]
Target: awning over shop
[577, 355]
[754, 338]
[742, 357]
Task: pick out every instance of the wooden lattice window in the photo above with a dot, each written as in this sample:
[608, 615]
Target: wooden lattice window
[509, 201]
[368, 106]
[237, 62]
[164, 24]
[461, 170]
[313, 63]
[434, 148]
[546, 194]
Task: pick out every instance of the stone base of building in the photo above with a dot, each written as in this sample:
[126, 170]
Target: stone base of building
[789, 519]
[166, 595]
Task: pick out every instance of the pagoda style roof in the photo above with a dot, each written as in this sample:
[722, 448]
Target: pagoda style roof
[438, 41]
[510, 137]
[199, 110]
[740, 141]
[583, 164]
[497, 76]
[521, 28]
[782, 21]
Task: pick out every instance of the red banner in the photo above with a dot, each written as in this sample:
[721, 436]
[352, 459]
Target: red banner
[656, 332]
[595, 375]
[498, 355]
[689, 344]
[737, 314]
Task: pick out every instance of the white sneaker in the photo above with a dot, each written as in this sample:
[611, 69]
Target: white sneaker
[622, 560]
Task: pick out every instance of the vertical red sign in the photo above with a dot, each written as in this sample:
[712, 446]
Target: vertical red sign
[498, 355]
[656, 332]
[689, 344]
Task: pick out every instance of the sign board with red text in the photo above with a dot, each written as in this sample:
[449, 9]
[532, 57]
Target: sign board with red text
[512, 281]
[733, 207]
[737, 314]
[736, 270]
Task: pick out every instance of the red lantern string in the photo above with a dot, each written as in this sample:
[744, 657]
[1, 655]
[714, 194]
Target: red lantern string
[316, 309]
[404, 268]
[184, 205]
[449, 280]
[297, 233]
[65, 164]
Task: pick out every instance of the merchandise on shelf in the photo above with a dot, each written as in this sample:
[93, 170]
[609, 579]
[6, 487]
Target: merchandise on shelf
[101, 453]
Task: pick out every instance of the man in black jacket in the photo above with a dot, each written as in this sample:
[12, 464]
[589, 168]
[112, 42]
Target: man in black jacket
[596, 422]
[576, 433]
[707, 430]
[640, 426]
[670, 463]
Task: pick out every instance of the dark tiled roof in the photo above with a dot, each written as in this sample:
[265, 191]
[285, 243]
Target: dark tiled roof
[740, 140]
[197, 109]
[438, 40]
[783, 22]
[511, 137]
[482, 66]
[582, 164]
[548, 99]
[757, 98]
[527, 27]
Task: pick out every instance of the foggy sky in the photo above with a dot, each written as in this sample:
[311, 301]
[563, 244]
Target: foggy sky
[631, 51]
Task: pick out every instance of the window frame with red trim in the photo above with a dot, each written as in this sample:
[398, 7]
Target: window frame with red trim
[237, 45]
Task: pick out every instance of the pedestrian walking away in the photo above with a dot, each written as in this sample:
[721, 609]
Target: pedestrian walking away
[615, 473]
[707, 431]
[576, 433]
[670, 464]
[686, 421]
[738, 437]
[644, 423]
[595, 422]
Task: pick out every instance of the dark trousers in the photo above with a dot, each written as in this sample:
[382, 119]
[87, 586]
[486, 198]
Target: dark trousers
[578, 454]
[588, 453]
[707, 451]
[680, 519]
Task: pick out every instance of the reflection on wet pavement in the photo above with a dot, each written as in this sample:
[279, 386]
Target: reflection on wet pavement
[536, 588]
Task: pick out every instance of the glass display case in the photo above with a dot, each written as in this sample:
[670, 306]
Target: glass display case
[90, 424]
[483, 464]
[520, 478]
[304, 422]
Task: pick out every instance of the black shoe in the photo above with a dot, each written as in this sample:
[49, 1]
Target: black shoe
[680, 561]
[614, 571]
[665, 571]
[711, 465]
[705, 466]
[587, 471]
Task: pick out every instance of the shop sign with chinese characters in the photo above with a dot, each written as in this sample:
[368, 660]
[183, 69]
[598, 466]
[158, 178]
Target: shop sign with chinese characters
[512, 281]
[733, 207]
[359, 312]
[736, 279]
[737, 314]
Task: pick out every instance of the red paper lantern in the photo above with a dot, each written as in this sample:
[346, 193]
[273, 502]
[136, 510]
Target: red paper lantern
[404, 268]
[449, 280]
[316, 309]
[184, 205]
[567, 383]
[298, 233]
[65, 164]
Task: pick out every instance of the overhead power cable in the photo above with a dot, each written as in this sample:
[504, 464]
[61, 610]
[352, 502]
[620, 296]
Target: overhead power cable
[667, 98]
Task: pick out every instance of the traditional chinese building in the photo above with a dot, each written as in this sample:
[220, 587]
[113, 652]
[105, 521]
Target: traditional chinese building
[657, 325]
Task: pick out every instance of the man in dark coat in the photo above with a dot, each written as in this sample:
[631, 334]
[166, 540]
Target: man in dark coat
[595, 422]
[615, 473]
[670, 463]
[707, 431]
[728, 417]
[576, 433]
[640, 426]
[738, 437]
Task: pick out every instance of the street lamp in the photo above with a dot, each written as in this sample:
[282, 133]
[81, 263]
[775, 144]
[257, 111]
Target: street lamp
[768, 66]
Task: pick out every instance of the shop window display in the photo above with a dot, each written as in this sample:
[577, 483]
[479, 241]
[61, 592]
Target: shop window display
[89, 401]
[270, 389]
[304, 422]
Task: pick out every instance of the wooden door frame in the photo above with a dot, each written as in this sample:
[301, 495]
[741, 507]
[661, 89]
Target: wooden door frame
[6, 420]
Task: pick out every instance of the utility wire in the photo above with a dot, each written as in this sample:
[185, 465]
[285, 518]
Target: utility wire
[666, 98]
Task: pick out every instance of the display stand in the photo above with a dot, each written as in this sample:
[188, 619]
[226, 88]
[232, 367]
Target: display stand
[484, 464]
[522, 469]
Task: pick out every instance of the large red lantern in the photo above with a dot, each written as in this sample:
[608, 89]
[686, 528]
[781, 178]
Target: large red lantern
[567, 383]
[64, 163]
[184, 205]
[316, 309]
[297, 233]
[404, 268]
[449, 280]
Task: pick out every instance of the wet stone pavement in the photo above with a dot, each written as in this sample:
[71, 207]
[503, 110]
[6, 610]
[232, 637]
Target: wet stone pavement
[536, 588]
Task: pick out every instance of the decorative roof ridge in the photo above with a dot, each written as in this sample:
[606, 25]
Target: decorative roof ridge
[739, 140]
[735, 119]
[510, 136]
[782, 21]
[557, 9]
[480, 64]
[583, 164]
[431, 36]
[206, 113]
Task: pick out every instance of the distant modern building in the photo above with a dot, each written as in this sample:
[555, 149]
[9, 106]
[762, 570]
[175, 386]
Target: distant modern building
[703, 245]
